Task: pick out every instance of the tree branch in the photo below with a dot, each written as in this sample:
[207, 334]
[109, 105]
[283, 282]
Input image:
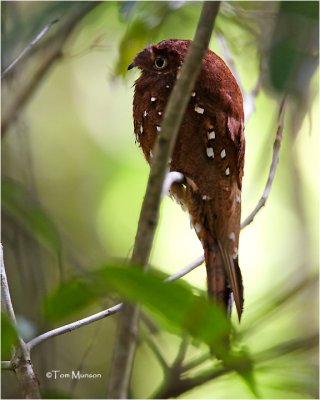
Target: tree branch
[20, 362]
[5, 292]
[272, 171]
[49, 54]
[73, 325]
[157, 352]
[196, 263]
[128, 321]
[195, 362]
[26, 50]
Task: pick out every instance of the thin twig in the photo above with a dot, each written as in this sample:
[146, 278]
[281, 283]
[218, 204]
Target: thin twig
[73, 325]
[128, 321]
[196, 263]
[48, 56]
[249, 99]
[272, 171]
[5, 292]
[157, 352]
[177, 364]
[195, 362]
[26, 50]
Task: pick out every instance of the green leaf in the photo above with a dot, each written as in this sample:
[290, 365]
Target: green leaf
[69, 298]
[19, 204]
[175, 304]
[9, 336]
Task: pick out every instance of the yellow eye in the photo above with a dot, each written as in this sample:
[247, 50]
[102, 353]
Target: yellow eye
[160, 62]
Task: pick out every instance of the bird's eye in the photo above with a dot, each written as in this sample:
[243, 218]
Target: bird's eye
[160, 62]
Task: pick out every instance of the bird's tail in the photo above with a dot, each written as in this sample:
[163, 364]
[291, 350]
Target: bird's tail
[223, 277]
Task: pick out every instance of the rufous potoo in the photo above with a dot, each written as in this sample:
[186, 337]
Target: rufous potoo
[209, 152]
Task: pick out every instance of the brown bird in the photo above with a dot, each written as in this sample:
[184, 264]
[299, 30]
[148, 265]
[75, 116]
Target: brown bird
[209, 152]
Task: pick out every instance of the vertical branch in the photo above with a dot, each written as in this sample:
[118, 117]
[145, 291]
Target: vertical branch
[5, 293]
[128, 320]
[21, 359]
[273, 168]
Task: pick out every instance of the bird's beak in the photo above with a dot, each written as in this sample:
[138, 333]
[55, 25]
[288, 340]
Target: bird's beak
[132, 65]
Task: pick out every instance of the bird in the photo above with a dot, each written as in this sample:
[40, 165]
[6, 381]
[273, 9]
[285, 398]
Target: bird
[209, 152]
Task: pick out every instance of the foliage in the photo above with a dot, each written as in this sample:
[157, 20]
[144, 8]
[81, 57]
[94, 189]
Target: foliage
[26, 211]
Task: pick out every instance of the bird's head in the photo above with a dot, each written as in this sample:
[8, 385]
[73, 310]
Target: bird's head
[166, 57]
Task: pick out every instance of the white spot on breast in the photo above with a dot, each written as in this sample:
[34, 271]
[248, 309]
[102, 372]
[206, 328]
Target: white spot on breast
[151, 154]
[141, 129]
[223, 153]
[158, 128]
[168, 86]
[232, 236]
[145, 113]
[205, 197]
[193, 94]
[210, 152]
[228, 171]
[153, 99]
[211, 135]
[159, 113]
[199, 109]
[238, 199]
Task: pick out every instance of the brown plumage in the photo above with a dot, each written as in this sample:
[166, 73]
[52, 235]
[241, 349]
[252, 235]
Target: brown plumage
[209, 152]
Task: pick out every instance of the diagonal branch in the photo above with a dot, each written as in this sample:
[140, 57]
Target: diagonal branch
[128, 321]
[184, 271]
[50, 53]
[157, 352]
[272, 171]
[27, 49]
[73, 325]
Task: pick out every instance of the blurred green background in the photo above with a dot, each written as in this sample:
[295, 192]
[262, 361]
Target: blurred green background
[73, 180]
